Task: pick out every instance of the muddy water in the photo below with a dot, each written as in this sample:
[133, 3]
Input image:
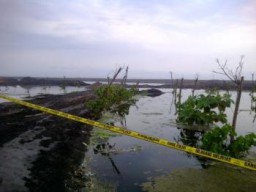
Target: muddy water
[126, 170]
[155, 116]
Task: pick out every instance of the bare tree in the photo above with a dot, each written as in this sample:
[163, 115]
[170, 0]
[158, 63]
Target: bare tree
[232, 75]
[172, 80]
[253, 98]
[195, 84]
[180, 90]
[125, 76]
[236, 77]
[110, 81]
[174, 92]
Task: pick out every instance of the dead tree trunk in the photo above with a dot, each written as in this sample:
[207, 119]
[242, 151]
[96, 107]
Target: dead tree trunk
[180, 91]
[237, 103]
[125, 76]
[237, 78]
[114, 77]
[194, 88]
[175, 92]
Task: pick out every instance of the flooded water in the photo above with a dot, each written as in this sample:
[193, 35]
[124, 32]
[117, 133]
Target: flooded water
[30, 91]
[155, 117]
[128, 169]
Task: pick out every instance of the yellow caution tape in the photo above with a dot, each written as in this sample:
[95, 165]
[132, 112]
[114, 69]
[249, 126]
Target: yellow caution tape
[164, 142]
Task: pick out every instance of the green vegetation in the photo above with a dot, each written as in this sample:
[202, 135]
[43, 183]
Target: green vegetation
[204, 109]
[253, 100]
[218, 140]
[218, 177]
[207, 110]
[113, 98]
[100, 136]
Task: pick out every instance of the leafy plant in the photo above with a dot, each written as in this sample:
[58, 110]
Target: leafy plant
[113, 98]
[218, 140]
[204, 109]
[253, 99]
[208, 109]
[240, 146]
[253, 102]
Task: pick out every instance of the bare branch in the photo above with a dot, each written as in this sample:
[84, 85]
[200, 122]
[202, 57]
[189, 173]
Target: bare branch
[234, 76]
[125, 76]
[115, 75]
[241, 64]
[224, 70]
[217, 72]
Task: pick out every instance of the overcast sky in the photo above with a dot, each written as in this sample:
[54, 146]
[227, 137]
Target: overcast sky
[92, 38]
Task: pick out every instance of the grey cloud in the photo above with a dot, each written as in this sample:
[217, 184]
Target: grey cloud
[92, 37]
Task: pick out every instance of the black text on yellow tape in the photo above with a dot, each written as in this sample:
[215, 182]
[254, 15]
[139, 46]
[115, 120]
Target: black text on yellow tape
[164, 142]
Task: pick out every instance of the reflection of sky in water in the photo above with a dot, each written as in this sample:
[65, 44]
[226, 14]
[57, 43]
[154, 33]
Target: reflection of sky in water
[153, 116]
[150, 115]
[24, 91]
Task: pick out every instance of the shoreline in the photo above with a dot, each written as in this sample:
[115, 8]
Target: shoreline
[147, 83]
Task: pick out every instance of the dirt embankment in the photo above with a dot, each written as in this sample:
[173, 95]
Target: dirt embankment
[40, 151]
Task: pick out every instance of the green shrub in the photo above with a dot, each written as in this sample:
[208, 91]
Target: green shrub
[218, 141]
[114, 98]
[204, 109]
[241, 145]
[208, 109]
